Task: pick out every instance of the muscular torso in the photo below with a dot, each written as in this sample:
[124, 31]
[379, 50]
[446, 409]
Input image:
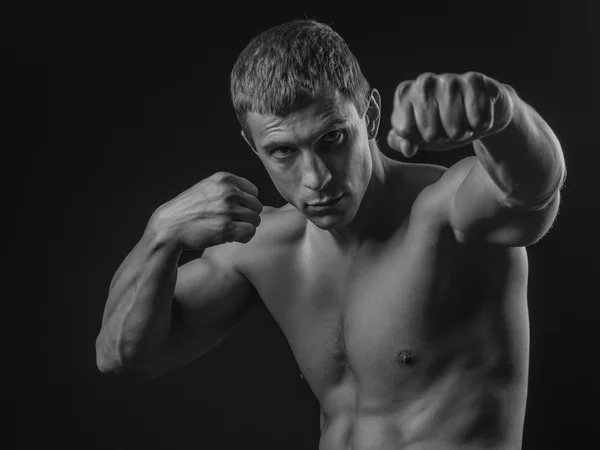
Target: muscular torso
[412, 342]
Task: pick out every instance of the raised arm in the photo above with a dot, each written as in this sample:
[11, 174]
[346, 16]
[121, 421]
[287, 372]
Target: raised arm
[509, 193]
[158, 316]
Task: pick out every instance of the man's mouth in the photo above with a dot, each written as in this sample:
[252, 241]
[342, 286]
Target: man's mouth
[327, 204]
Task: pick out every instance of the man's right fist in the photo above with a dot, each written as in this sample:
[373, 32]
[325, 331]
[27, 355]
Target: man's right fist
[221, 208]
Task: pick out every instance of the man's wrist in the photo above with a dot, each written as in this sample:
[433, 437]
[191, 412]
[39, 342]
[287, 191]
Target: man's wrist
[159, 236]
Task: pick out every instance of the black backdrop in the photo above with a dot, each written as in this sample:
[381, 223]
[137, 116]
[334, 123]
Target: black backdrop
[117, 114]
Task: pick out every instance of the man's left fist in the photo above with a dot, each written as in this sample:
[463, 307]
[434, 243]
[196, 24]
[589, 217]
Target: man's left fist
[442, 112]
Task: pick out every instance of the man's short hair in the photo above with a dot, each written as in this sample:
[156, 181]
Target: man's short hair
[291, 65]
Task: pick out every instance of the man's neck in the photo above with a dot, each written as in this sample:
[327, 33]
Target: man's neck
[372, 220]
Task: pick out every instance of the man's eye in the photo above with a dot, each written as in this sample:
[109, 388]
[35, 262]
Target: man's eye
[334, 136]
[285, 151]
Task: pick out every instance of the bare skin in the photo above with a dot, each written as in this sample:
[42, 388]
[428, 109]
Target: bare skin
[412, 339]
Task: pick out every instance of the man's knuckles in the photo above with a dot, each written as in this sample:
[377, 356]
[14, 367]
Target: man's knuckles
[426, 84]
[404, 128]
[430, 132]
[402, 91]
[454, 131]
[446, 107]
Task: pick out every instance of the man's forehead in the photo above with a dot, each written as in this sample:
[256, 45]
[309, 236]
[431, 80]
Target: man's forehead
[321, 110]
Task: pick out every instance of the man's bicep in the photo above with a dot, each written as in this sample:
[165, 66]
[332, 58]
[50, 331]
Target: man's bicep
[478, 211]
[522, 228]
[210, 289]
[210, 298]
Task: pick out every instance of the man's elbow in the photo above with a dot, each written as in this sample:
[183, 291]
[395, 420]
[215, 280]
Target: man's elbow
[540, 221]
[107, 364]
[122, 372]
[527, 227]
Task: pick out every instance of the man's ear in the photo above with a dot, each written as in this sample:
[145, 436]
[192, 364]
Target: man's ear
[373, 114]
[248, 142]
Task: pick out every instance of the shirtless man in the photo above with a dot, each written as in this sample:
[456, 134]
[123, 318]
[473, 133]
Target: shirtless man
[404, 299]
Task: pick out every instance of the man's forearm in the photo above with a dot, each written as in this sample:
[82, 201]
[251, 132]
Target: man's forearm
[525, 159]
[137, 318]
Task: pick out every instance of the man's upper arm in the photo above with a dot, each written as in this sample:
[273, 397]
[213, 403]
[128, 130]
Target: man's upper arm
[477, 211]
[210, 290]
[210, 298]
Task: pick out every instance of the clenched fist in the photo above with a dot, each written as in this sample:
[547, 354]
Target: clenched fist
[442, 112]
[221, 208]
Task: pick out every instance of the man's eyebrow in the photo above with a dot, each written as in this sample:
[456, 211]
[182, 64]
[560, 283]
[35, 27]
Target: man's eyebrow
[275, 144]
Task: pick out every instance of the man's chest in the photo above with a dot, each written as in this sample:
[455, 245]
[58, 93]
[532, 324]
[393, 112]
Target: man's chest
[372, 314]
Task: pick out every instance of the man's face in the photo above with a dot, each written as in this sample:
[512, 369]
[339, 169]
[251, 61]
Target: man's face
[318, 153]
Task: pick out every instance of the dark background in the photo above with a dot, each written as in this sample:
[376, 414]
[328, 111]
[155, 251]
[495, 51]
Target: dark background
[117, 114]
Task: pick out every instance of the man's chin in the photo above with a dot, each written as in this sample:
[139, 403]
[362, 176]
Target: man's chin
[327, 222]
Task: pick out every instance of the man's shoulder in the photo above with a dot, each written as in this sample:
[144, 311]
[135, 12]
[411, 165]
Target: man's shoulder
[284, 222]
[280, 229]
[279, 226]
[433, 198]
[441, 182]
[423, 174]
[425, 186]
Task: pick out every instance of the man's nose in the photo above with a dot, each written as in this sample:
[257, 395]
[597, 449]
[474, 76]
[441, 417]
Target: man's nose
[315, 174]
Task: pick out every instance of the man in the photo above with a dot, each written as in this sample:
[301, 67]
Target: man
[400, 287]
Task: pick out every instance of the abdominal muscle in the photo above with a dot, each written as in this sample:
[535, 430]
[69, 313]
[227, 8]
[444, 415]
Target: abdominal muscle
[458, 412]
[436, 420]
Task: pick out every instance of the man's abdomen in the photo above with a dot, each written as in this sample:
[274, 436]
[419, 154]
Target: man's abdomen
[458, 410]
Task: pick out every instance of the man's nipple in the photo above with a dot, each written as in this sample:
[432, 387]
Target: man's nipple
[406, 357]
